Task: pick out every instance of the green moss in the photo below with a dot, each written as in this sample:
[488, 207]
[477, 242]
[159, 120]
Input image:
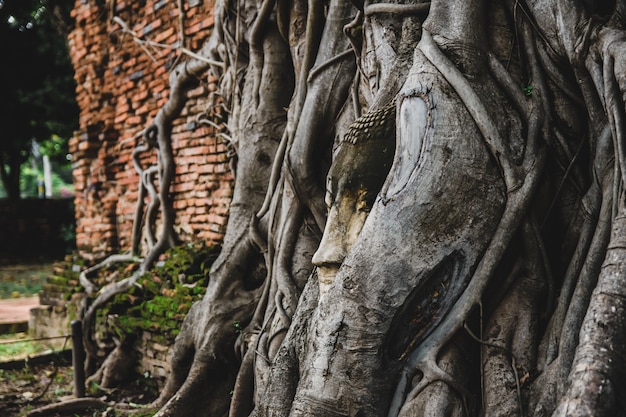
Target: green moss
[59, 279]
[63, 282]
[163, 297]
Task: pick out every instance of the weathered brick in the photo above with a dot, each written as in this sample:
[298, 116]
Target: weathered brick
[118, 98]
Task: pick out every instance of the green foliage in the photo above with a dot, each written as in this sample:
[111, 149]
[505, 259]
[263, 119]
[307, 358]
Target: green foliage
[238, 327]
[31, 178]
[527, 89]
[164, 295]
[38, 90]
[12, 288]
[68, 235]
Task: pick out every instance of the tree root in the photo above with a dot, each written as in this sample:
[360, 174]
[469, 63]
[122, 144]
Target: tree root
[513, 330]
[445, 394]
[401, 9]
[597, 371]
[87, 312]
[313, 134]
[550, 384]
[256, 48]
[83, 278]
[74, 405]
[293, 197]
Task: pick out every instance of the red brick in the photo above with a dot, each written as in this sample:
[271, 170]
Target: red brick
[203, 183]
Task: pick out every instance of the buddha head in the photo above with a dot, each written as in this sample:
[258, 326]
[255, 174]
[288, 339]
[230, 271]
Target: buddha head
[359, 168]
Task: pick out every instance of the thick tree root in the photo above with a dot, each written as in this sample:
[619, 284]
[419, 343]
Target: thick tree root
[307, 373]
[597, 375]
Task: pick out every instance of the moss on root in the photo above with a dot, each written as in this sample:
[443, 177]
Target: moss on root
[163, 296]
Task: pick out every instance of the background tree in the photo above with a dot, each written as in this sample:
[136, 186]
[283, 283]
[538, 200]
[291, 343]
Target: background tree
[38, 99]
[488, 276]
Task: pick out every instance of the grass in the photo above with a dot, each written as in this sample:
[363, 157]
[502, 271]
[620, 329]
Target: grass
[19, 346]
[22, 280]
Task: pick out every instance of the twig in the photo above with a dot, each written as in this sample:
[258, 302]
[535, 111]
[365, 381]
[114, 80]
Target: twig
[181, 48]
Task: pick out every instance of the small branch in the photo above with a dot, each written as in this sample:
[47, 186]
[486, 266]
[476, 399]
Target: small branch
[203, 58]
[181, 48]
[83, 278]
[181, 23]
[315, 71]
[142, 43]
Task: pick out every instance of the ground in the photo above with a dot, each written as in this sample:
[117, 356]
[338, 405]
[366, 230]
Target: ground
[32, 386]
[22, 390]
[44, 377]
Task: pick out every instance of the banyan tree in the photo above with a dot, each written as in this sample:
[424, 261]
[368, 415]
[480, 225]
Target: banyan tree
[428, 215]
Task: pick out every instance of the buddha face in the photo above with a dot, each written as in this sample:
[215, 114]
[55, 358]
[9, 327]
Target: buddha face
[354, 180]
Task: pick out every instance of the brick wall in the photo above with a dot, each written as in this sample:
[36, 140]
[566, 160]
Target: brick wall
[120, 88]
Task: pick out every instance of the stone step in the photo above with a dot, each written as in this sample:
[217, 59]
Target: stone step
[15, 314]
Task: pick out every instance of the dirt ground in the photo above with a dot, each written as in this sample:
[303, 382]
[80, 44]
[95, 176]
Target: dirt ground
[28, 388]
[28, 385]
